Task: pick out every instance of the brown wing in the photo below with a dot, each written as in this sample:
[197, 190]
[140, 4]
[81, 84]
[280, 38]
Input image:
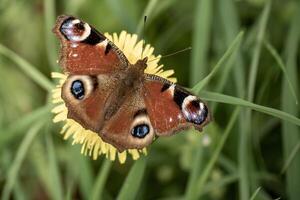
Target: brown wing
[86, 98]
[129, 127]
[172, 108]
[84, 50]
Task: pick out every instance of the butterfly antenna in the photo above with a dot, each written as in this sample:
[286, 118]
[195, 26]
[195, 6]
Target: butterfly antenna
[172, 54]
[145, 20]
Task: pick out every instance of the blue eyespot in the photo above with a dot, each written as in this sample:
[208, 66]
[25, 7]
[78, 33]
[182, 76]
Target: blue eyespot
[140, 131]
[77, 89]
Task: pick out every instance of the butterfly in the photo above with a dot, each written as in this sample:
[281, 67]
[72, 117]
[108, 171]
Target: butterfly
[114, 98]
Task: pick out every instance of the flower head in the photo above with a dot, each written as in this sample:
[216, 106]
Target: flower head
[91, 142]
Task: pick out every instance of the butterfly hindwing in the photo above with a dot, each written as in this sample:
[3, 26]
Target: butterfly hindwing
[172, 108]
[86, 98]
[85, 50]
[103, 105]
[129, 127]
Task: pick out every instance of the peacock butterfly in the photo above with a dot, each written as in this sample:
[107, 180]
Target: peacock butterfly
[114, 98]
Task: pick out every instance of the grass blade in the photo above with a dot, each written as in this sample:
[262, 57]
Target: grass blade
[290, 158]
[280, 63]
[147, 12]
[70, 189]
[232, 48]
[211, 96]
[290, 133]
[49, 16]
[231, 26]
[18, 192]
[133, 180]
[53, 170]
[84, 172]
[17, 162]
[117, 8]
[100, 180]
[191, 188]
[39, 164]
[244, 155]
[255, 193]
[257, 49]
[27, 68]
[212, 185]
[208, 168]
[201, 38]
[15, 129]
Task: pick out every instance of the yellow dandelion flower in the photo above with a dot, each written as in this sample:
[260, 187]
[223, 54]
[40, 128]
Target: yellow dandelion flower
[91, 142]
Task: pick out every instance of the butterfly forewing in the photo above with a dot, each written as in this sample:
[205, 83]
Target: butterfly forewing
[84, 50]
[172, 108]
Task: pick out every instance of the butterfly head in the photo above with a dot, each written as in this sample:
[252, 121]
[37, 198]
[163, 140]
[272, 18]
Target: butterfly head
[141, 64]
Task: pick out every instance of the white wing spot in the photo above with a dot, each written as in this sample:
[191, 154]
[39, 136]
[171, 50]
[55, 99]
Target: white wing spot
[103, 43]
[201, 106]
[171, 89]
[185, 103]
[75, 21]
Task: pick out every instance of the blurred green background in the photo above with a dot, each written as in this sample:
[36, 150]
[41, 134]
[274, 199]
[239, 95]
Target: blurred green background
[242, 154]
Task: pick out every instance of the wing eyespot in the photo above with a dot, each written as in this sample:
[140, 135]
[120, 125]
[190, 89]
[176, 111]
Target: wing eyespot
[75, 30]
[141, 126]
[79, 87]
[140, 130]
[193, 110]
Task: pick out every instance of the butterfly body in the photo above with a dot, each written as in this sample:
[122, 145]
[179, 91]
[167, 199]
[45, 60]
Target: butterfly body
[107, 94]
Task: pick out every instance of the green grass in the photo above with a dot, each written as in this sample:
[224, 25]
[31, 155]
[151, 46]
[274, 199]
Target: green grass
[243, 63]
[97, 191]
[17, 162]
[290, 142]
